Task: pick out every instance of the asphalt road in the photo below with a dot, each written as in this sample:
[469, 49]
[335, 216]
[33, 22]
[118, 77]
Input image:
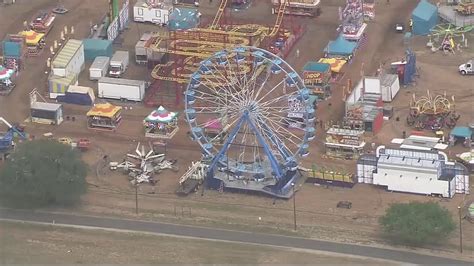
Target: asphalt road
[227, 235]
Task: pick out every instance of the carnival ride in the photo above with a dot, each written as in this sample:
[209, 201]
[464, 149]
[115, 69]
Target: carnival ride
[259, 153]
[6, 139]
[142, 166]
[188, 48]
[352, 16]
[443, 36]
[432, 113]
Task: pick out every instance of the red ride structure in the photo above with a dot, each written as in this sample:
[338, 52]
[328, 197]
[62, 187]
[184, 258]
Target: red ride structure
[43, 22]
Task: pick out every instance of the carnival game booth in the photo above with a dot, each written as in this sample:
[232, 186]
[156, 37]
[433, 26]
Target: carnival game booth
[316, 77]
[340, 48]
[34, 42]
[14, 51]
[161, 123]
[344, 143]
[104, 116]
[46, 113]
[6, 83]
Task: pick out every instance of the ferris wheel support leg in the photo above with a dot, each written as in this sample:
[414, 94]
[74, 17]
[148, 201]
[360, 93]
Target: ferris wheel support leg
[270, 155]
[224, 148]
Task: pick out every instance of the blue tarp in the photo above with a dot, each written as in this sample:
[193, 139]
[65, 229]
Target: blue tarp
[340, 46]
[317, 67]
[183, 19]
[461, 132]
[425, 17]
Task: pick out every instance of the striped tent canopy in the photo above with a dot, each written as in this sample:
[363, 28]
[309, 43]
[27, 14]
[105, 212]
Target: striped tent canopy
[161, 115]
[5, 73]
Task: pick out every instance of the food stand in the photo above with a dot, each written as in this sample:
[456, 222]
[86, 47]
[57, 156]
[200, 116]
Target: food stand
[161, 123]
[344, 143]
[34, 42]
[6, 85]
[104, 116]
[316, 77]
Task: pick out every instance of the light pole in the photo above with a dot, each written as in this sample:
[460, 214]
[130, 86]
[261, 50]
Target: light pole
[460, 228]
[294, 205]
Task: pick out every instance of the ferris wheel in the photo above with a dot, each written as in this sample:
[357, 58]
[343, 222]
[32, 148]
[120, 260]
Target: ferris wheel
[253, 118]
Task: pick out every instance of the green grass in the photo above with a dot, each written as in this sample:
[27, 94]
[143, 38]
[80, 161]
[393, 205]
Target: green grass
[47, 244]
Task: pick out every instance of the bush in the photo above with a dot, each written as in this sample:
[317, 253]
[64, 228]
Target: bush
[42, 173]
[417, 223]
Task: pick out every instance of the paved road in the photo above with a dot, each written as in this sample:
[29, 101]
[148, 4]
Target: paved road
[227, 235]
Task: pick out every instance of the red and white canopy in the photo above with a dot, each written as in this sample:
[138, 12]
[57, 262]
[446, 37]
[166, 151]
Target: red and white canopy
[5, 73]
[161, 115]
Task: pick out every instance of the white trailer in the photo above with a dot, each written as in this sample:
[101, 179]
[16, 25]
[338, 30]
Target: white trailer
[69, 60]
[99, 68]
[389, 85]
[121, 89]
[119, 64]
[156, 13]
[141, 48]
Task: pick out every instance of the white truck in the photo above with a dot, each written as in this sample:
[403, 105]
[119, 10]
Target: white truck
[99, 67]
[467, 68]
[141, 49]
[122, 89]
[119, 64]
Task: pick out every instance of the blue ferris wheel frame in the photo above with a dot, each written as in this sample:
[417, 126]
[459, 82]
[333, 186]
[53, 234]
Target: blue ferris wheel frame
[279, 168]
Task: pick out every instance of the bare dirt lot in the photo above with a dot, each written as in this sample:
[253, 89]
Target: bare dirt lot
[316, 206]
[45, 244]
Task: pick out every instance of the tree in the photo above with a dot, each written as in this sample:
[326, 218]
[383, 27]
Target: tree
[417, 223]
[42, 173]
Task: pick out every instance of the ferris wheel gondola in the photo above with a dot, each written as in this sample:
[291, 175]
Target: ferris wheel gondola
[265, 116]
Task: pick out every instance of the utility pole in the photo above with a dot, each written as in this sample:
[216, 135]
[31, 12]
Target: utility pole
[136, 197]
[460, 228]
[294, 205]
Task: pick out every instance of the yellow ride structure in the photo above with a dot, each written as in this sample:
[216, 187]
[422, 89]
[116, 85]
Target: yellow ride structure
[200, 43]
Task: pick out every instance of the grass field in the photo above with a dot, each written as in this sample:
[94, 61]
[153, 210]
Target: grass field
[47, 244]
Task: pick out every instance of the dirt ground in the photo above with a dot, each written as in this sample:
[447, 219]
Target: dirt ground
[317, 214]
[45, 244]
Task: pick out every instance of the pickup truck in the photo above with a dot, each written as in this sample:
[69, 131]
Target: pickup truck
[467, 68]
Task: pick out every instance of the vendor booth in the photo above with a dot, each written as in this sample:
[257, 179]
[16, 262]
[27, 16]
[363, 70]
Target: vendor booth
[6, 84]
[104, 116]
[344, 143]
[46, 113]
[340, 48]
[316, 77]
[161, 123]
[34, 42]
